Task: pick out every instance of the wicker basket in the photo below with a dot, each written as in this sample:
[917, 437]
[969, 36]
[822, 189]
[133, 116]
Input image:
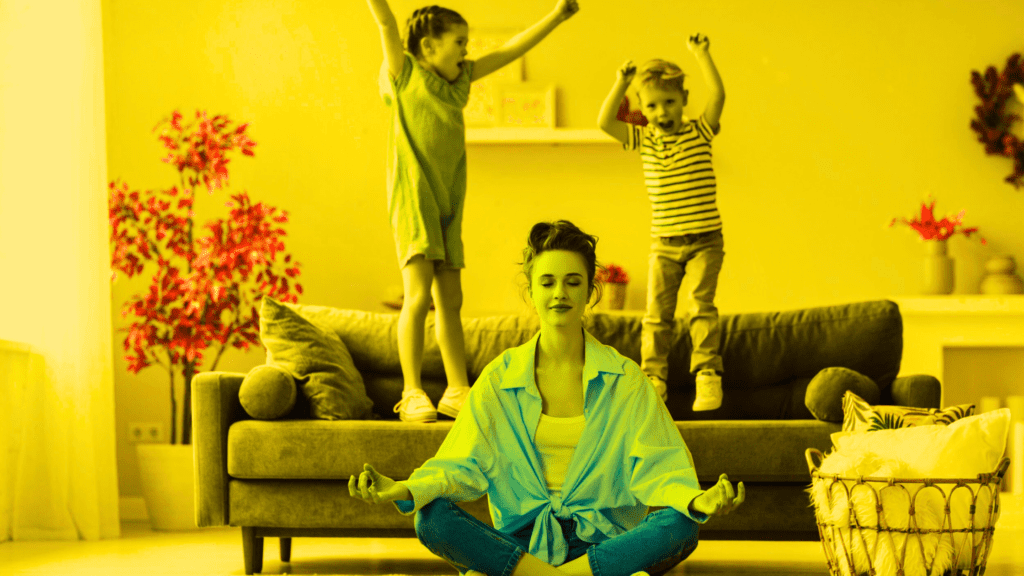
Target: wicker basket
[905, 526]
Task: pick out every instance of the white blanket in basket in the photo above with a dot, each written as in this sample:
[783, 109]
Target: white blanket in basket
[962, 450]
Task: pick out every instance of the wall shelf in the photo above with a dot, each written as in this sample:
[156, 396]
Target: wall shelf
[961, 304]
[537, 136]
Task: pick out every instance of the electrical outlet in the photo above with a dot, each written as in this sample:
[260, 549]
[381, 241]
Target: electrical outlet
[146, 432]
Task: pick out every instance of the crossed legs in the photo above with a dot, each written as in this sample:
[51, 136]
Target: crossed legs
[662, 540]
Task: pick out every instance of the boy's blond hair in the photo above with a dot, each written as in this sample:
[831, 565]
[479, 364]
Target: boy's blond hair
[661, 74]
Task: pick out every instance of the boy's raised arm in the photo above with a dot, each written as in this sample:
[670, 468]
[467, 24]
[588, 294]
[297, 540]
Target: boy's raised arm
[607, 119]
[390, 39]
[521, 43]
[700, 46]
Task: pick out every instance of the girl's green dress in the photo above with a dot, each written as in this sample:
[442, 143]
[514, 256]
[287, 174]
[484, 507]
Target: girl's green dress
[426, 164]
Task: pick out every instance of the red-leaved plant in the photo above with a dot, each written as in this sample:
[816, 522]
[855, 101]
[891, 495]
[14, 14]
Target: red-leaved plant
[931, 229]
[205, 284]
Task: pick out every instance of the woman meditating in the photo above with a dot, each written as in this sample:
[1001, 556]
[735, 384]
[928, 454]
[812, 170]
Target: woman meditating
[570, 442]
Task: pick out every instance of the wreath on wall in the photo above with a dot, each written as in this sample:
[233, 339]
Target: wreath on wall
[992, 122]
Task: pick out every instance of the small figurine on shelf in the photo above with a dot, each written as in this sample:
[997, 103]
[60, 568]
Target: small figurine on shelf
[615, 280]
[1001, 278]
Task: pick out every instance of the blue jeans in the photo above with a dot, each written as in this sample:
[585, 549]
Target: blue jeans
[663, 539]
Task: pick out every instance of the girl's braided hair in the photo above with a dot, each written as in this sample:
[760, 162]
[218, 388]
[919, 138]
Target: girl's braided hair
[562, 235]
[662, 74]
[430, 21]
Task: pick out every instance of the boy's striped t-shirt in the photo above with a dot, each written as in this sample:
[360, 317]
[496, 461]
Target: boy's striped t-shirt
[679, 177]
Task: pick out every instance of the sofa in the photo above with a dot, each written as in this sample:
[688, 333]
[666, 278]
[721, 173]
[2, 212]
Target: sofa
[287, 477]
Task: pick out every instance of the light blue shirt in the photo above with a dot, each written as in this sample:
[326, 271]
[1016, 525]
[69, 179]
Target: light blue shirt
[629, 457]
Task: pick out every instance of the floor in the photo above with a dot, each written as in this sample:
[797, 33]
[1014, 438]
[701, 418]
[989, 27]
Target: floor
[216, 552]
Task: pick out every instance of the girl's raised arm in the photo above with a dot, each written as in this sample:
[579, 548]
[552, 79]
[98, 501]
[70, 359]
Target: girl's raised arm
[390, 39]
[521, 43]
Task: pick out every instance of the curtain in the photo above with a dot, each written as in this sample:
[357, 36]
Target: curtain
[58, 477]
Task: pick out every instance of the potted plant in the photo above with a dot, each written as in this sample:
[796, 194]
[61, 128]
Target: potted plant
[615, 280]
[938, 264]
[205, 283]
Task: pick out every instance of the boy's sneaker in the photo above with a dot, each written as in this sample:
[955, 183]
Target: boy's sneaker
[660, 387]
[452, 401]
[709, 391]
[416, 407]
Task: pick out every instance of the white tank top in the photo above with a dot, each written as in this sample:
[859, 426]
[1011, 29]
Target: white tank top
[555, 442]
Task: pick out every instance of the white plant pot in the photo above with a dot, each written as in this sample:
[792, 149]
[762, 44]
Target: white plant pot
[168, 485]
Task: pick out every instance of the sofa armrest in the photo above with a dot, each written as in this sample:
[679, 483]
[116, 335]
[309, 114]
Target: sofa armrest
[918, 391]
[215, 406]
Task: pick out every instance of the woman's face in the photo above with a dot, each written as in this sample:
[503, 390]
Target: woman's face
[558, 288]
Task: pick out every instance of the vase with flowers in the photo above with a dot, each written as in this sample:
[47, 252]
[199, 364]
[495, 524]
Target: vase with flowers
[939, 267]
[615, 280]
[204, 286]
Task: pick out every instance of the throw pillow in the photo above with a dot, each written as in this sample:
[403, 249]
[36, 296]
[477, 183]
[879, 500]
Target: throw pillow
[861, 416]
[268, 392]
[963, 449]
[318, 360]
[824, 395]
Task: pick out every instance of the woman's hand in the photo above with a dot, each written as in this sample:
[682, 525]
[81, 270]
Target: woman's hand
[720, 499]
[566, 8]
[375, 488]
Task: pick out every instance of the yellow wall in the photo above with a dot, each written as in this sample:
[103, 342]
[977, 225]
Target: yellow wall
[839, 116]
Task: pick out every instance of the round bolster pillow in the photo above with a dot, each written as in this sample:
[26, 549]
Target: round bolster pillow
[268, 392]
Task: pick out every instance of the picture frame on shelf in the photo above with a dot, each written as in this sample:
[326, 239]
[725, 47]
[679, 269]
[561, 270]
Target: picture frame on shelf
[526, 105]
[484, 106]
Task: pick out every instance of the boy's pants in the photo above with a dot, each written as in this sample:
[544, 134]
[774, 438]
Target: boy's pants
[661, 541]
[699, 256]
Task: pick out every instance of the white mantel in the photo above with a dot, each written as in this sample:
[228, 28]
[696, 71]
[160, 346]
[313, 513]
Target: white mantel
[931, 324]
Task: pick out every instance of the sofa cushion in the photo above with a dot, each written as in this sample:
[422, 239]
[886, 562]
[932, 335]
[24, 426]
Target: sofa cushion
[861, 416]
[765, 348]
[752, 450]
[267, 392]
[318, 361]
[824, 397]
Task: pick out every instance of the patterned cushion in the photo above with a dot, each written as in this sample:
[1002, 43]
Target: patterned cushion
[859, 416]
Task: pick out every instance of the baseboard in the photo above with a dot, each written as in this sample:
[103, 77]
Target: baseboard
[133, 509]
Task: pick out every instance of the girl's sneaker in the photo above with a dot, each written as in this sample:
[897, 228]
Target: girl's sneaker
[452, 401]
[416, 407]
[709, 391]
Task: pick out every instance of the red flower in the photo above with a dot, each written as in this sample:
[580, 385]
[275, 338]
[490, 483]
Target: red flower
[612, 274]
[931, 229]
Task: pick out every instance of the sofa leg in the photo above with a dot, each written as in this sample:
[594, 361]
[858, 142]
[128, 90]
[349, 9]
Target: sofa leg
[286, 549]
[252, 550]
